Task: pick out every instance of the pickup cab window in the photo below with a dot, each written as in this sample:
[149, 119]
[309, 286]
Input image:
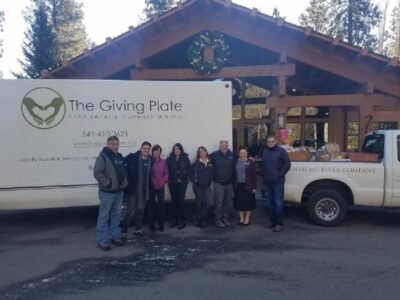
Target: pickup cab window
[398, 147]
[374, 143]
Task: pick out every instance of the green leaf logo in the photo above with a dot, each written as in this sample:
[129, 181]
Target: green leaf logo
[43, 108]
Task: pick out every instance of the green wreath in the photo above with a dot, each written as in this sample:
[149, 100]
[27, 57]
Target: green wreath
[221, 49]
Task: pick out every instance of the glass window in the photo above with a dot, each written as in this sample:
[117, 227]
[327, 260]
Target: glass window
[254, 135]
[236, 112]
[382, 125]
[317, 112]
[294, 134]
[374, 143]
[294, 112]
[257, 111]
[254, 91]
[353, 131]
[398, 147]
[315, 134]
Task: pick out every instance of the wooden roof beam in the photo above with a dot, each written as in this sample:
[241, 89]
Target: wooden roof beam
[181, 11]
[280, 71]
[45, 74]
[394, 62]
[279, 24]
[159, 23]
[205, 6]
[283, 57]
[368, 87]
[307, 33]
[137, 35]
[91, 55]
[334, 43]
[228, 5]
[110, 42]
[360, 55]
[67, 64]
[254, 14]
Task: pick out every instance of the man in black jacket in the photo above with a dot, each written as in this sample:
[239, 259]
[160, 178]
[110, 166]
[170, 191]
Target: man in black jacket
[275, 165]
[224, 166]
[139, 167]
[110, 173]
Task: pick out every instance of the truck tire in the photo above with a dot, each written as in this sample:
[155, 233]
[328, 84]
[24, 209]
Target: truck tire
[326, 208]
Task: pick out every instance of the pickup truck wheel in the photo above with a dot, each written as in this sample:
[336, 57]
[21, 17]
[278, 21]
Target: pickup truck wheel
[327, 208]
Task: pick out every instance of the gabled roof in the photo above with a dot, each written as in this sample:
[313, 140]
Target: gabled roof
[355, 63]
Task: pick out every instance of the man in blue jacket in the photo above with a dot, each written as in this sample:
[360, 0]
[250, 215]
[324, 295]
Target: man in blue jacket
[275, 165]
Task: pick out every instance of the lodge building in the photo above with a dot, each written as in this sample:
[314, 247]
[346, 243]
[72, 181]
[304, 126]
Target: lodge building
[284, 76]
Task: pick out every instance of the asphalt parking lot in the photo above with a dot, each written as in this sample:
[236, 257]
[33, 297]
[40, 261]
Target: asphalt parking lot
[52, 254]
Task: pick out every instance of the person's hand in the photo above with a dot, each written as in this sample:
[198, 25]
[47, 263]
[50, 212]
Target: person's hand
[253, 191]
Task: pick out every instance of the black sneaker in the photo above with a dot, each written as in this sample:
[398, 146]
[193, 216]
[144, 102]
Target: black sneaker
[124, 237]
[103, 246]
[161, 227]
[140, 233]
[269, 226]
[174, 223]
[203, 224]
[117, 242]
[181, 225]
[219, 224]
[278, 228]
[152, 228]
[226, 221]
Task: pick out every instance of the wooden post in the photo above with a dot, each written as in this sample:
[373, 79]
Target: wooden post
[282, 85]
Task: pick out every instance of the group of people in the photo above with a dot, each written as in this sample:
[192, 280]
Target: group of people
[139, 181]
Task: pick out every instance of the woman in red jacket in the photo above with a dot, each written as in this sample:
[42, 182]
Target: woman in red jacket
[245, 186]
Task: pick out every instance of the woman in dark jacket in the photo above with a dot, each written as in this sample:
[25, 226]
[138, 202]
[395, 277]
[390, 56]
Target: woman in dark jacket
[201, 175]
[245, 186]
[179, 170]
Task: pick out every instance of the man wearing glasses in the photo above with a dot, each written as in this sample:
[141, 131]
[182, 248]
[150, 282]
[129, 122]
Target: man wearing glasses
[110, 173]
[275, 165]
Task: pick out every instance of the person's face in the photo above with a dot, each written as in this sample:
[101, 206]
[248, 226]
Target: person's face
[203, 153]
[243, 154]
[157, 154]
[145, 150]
[224, 147]
[177, 151]
[271, 142]
[113, 145]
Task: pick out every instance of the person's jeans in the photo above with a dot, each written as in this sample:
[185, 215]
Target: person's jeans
[275, 193]
[178, 192]
[109, 213]
[133, 213]
[223, 200]
[156, 207]
[204, 201]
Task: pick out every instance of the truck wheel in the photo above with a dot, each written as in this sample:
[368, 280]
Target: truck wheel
[326, 208]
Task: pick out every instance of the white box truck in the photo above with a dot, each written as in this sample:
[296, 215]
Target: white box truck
[52, 130]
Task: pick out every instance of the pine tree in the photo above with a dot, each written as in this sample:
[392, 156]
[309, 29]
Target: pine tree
[154, 7]
[66, 17]
[276, 13]
[354, 21]
[39, 47]
[316, 16]
[394, 33]
[1, 41]
[383, 34]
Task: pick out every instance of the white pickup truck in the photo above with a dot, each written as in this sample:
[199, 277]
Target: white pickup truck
[327, 189]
